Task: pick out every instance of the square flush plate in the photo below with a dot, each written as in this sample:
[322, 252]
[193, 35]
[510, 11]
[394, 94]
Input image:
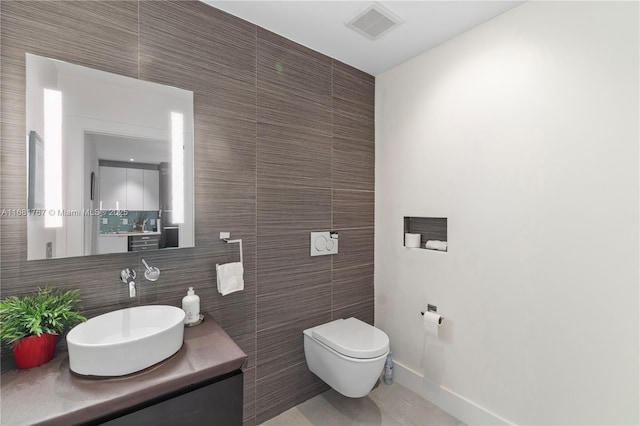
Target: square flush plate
[324, 243]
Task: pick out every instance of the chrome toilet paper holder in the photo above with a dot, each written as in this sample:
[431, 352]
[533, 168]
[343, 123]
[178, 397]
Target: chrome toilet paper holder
[430, 308]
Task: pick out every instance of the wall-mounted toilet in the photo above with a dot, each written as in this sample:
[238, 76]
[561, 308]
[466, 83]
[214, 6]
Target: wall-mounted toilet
[347, 354]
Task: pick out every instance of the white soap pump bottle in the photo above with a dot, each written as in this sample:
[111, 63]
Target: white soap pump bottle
[191, 307]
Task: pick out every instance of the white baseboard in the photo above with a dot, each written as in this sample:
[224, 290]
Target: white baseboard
[454, 404]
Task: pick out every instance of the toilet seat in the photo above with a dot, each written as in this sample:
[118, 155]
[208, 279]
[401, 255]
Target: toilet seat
[352, 337]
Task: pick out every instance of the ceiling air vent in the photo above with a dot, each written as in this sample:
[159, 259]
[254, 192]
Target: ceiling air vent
[374, 21]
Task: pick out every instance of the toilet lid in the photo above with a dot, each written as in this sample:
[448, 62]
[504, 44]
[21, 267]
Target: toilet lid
[352, 337]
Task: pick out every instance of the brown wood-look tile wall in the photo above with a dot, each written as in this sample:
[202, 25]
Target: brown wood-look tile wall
[284, 145]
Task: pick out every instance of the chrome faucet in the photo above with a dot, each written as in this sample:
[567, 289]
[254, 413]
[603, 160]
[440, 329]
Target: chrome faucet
[128, 275]
[152, 273]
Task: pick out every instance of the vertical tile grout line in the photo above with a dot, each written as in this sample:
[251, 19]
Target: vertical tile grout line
[332, 183]
[138, 39]
[255, 302]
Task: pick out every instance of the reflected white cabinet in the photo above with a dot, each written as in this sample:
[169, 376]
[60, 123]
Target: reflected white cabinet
[112, 244]
[129, 189]
[151, 197]
[113, 188]
[135, 189]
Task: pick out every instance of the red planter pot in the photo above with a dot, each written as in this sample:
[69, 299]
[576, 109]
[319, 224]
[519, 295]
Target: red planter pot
[33, 351]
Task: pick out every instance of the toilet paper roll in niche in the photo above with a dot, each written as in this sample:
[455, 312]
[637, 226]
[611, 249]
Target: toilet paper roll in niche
[431, 322]
[412, 240]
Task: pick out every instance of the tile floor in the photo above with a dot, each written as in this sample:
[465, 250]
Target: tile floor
[385, 405]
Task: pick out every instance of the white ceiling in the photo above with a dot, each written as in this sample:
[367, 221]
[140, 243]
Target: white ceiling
[123, 148]
[320, 25]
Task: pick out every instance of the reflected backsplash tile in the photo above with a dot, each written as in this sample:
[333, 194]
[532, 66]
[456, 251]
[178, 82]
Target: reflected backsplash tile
[127, 220]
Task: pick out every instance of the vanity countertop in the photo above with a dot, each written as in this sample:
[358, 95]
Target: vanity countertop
[52, 395]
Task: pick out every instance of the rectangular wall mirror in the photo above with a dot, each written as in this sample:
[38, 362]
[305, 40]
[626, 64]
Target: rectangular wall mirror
[110, 162]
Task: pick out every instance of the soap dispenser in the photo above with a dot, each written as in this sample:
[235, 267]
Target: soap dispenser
[191, 307]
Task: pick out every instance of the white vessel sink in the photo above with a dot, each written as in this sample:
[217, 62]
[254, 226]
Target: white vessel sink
[125, 341]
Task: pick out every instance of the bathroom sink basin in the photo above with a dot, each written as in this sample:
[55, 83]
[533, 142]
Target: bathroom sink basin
[125, 341]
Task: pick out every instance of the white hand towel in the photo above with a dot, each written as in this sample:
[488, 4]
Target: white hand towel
[436, 245]
[230, 277]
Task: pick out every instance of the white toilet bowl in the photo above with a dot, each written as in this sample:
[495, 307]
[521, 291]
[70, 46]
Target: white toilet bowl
[347, 354]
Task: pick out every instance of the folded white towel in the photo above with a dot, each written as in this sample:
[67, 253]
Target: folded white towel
[230, 277]
[436, 245]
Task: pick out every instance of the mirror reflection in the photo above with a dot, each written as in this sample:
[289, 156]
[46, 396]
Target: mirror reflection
[110, 162]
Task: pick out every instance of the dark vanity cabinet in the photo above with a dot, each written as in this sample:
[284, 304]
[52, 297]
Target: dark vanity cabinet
[213, 402]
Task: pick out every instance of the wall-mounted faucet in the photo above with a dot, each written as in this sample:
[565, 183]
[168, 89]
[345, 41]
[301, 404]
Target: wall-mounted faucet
[128, 275]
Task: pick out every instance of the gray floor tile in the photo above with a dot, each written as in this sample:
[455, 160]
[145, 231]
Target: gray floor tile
[291, 417]
[387, 405]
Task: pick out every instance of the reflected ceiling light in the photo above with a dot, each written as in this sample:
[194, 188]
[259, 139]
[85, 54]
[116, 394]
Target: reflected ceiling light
[53, 158]
[177, 167]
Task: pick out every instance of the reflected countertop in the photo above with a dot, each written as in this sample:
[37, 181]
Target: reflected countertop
[52, 395]
[128, 233]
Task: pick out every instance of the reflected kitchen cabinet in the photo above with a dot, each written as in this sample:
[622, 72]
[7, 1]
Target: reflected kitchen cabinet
[113, 188]
[129, 188]
[151, 190]
[135, 189]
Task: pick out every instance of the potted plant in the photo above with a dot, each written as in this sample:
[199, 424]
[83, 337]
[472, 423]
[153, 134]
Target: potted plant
[31, 324]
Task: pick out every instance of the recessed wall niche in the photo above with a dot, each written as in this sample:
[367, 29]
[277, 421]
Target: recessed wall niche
[431, 229]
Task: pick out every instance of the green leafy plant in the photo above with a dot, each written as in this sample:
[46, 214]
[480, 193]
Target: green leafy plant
[49, 310]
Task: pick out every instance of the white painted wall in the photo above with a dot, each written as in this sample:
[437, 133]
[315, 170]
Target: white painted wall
[524, 133]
